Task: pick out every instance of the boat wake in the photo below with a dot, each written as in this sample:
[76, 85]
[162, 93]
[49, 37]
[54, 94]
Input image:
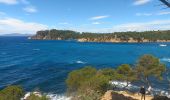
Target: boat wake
[80, 62]
[162, 45]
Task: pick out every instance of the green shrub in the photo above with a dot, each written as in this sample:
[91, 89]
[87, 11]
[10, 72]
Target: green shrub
[11, 93]
[77, 77]
[88, 83]
[108, 72]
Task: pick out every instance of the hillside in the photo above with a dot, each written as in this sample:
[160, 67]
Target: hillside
[147, 36]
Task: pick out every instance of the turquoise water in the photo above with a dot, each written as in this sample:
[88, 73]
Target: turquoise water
[45, 64]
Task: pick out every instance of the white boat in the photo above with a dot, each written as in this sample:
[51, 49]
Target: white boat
[163, 45]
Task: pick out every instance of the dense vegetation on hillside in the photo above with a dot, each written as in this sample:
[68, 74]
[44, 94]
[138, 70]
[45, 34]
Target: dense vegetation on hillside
[89, 83]
[150, 36]
[11, 93]
[16, 93]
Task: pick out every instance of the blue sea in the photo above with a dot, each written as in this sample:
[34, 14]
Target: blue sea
[45, 64]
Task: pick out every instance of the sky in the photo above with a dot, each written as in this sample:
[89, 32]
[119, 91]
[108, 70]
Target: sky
[29, 16]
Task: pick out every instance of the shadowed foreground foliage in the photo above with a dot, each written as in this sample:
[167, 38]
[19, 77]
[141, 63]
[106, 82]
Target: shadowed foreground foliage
[11, 93]
[160, 98]
[16, 93]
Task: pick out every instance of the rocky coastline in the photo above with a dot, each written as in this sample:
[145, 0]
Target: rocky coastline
[116, 40]
[119, 37]
[113, 40]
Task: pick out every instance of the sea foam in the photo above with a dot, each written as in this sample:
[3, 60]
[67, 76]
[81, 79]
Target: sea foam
[80, 62]
[50, 96]
[162, 45]
[58, 97]
[155, 91]
[121, 84]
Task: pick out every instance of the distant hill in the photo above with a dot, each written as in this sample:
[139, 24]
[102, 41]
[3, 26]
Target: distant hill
[147, 36]
[16, 34]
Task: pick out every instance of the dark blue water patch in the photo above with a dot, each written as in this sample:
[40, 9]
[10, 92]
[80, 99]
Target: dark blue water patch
[45, 64]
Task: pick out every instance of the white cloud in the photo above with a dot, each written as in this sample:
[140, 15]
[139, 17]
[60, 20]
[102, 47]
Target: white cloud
[96, 23]
[144, 26]
[151, 14]
[12, 25]
[141, 2]
[30, 9]
[10, 2]
[134, 26]
[99, 17]
[163, 13]
[144, 14]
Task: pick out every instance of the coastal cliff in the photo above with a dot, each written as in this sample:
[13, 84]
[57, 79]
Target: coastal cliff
[129, 37]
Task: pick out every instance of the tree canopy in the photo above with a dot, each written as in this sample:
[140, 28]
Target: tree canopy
[126, 73]
[15, 92]
[151, 36]
[87, 82]
[150, 66]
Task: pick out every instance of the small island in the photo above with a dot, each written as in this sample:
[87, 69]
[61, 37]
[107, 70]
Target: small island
[116, 37]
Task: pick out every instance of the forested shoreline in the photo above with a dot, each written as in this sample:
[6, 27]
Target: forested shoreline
[147, 36]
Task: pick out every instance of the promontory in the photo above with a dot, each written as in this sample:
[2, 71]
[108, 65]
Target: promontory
[116, 37]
